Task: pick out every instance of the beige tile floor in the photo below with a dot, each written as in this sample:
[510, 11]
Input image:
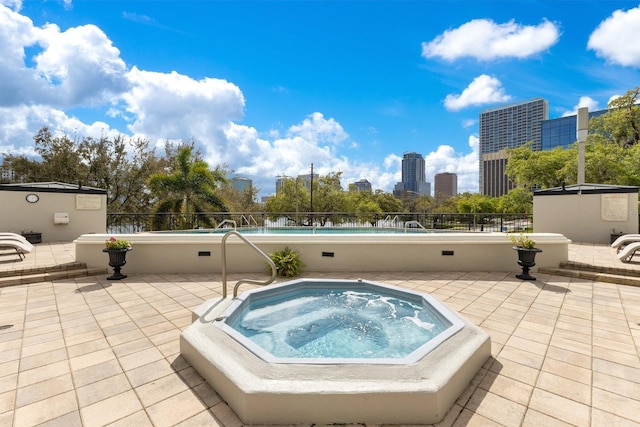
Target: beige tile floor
[92, 352]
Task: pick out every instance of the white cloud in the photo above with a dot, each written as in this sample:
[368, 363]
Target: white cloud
[465, 166]
[318, 129]
[585, 101]
[81, 64]
[75, 67]
[485, 40]
[617, 38]
[314, 140]
[173, 106]
[14, 4]
[483, 89]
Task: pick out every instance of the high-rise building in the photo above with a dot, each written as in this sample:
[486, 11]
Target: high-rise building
[413, 175]
[445, 184]
[505, 127]
[362, 185]
[240, 183]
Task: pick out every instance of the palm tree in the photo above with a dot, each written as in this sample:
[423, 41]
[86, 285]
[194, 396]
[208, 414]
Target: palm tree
[189, 191]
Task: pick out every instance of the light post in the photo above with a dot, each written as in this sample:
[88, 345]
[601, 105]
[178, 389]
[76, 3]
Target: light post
[311, 204]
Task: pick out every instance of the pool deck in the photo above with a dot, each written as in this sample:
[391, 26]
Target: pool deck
[93, 352]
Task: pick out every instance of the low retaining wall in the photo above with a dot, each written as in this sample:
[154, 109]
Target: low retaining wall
[200, 253]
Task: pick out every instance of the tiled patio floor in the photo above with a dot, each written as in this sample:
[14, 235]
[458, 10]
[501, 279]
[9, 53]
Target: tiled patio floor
[92, 352]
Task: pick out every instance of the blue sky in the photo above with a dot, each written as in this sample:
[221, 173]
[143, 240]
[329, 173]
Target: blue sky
[269, 87]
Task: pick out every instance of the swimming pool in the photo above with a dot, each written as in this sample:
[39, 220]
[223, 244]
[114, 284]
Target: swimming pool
[312, 230]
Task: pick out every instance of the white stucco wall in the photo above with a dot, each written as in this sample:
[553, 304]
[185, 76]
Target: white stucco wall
[586, 217]
[17, 215]
[201, 253]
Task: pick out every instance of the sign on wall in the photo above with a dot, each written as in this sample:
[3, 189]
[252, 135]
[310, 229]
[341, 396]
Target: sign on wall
[88, 202]
[614, 207]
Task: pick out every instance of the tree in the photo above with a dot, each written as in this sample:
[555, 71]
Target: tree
[518, 200]
[620, 125]
[328, 197]
[529, 168]
[291, 199]
[61, 159]
[189, 190]
[476, 203]
[387, 202]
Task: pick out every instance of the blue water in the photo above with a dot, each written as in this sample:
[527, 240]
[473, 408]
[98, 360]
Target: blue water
[315, 230]
[338, 323]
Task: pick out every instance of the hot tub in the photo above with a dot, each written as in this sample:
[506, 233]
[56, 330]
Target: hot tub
[416, 385]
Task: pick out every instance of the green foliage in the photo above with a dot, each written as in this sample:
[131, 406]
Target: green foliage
[621, 124]
[528, 168]
[522, 241]
[287, 261]
[117, 244]
[518, 200]
[189, 191]
[476, 203]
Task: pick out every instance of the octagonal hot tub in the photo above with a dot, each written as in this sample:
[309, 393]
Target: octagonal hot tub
[335, 351]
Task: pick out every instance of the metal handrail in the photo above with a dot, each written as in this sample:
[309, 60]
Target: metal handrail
[223, 252]
[412, 223]
[227, 221]
[251, 221]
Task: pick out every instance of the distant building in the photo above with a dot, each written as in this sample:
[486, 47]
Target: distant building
[413, 176]
[445, 184]
[240, 183]
[505, 127]
[304, 180]
[362, 185]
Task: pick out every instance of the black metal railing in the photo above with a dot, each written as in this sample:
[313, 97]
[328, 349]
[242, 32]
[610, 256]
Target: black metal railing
[478, 222]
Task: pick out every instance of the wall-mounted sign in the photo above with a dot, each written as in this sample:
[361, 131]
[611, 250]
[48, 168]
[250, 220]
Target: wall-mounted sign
[88, 202]
[614, 207]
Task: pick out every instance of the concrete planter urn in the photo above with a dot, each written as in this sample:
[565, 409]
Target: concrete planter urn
[526, 260]
[117, 250]
[117, 259]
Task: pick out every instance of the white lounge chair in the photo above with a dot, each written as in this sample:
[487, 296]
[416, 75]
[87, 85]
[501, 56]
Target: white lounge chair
[21, 248]
[624, 240]
[628, 252]
[13, 236]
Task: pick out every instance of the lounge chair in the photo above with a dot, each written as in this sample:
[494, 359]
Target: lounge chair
[21, 248]
[624, 240]
[13, 236]
[628, 251]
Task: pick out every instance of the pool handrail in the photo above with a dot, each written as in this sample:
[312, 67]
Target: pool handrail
[227, 221]
[223, 268]
[406, 224]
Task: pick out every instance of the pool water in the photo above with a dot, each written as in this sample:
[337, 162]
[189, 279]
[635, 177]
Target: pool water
[338, 322]
[311, 230]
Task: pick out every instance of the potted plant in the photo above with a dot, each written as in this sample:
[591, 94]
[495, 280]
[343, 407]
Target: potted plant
[287, 261]
[527, 251]
[117, 250]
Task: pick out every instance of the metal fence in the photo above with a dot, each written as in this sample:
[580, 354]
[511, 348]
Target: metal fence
[478, 222]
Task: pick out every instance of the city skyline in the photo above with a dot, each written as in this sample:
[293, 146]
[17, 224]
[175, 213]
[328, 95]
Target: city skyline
[269, 87]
